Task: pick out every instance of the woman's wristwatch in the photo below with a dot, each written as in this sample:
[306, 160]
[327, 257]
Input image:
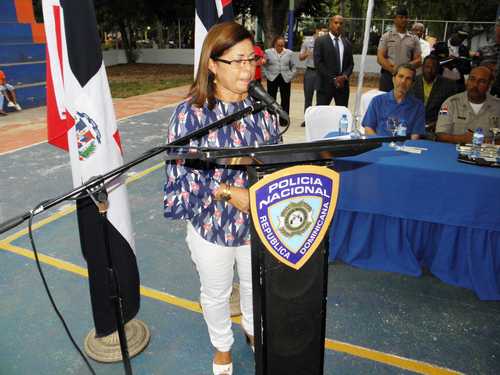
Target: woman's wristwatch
[225, 193]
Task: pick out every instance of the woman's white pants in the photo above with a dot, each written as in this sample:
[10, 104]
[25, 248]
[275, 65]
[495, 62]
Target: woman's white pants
[215, 266]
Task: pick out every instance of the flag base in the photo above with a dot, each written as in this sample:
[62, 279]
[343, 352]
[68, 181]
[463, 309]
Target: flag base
[107, 349]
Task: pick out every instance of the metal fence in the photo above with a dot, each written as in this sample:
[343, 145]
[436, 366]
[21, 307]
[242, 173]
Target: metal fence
[480, 33]
[180, 33]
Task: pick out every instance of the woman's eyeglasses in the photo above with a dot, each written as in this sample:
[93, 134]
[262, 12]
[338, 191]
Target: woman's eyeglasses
[239, 63]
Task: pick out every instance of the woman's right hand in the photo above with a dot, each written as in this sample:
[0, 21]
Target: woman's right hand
[239, 197]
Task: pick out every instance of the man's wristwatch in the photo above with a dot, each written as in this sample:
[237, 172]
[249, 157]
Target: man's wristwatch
[225, 193]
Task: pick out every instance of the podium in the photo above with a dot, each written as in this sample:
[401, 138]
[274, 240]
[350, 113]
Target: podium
[289, 301]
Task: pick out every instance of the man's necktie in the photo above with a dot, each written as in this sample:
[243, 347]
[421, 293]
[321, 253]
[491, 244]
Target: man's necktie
[337, 53]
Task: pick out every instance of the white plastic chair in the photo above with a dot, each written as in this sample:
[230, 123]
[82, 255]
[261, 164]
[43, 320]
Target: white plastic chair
[366, 98]
[323, 119]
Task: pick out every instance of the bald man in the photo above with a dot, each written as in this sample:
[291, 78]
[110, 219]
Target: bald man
[334, 64]
[474, 108]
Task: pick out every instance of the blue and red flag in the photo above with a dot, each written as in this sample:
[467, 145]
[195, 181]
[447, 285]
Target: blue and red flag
[81, 119]
[209, 13]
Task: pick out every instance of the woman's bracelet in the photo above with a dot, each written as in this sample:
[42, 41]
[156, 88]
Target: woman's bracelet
[225, 193]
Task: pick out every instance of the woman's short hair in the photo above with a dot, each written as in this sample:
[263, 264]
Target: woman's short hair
[276, 38]
[218, 40]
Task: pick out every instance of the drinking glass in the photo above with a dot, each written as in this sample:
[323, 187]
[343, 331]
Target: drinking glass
[392, 126]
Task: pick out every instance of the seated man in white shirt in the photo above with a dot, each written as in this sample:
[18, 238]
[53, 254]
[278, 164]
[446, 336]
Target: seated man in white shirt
[418, 29]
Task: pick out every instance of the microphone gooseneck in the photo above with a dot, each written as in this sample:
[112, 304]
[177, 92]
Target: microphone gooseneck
[258, 92]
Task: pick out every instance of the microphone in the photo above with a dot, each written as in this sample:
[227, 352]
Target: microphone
[258, 92]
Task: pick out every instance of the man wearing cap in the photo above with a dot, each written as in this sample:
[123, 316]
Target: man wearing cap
[456, 45]
[397, 47]
[460, 55]
[474, 108]
[489, 56]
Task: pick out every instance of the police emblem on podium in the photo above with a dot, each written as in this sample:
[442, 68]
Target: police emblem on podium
[292, 210]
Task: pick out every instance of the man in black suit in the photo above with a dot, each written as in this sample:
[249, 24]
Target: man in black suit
[432, 89]
[334, 64]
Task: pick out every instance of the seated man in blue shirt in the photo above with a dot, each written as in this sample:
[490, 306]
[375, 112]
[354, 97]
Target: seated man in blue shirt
[396, 105]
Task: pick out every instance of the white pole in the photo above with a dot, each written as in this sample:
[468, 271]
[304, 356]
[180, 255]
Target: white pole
[361, 73]
[179, 29]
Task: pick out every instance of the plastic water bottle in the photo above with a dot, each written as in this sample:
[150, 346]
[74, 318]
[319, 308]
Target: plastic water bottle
[343, 124]
[401, 131]
[477, 141]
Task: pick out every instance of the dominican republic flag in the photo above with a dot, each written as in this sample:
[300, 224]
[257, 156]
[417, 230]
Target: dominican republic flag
[208, 13]
[81, 119]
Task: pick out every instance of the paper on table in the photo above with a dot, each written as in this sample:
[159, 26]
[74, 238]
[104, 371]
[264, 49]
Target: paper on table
[411, 150]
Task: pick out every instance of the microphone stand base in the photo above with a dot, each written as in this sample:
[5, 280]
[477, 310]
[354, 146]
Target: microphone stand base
[107, 349]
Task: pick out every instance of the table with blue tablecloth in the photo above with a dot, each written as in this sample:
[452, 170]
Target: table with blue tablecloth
[401, 212]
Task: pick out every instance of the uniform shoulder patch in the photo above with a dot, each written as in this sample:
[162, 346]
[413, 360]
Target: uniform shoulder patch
[444, 110]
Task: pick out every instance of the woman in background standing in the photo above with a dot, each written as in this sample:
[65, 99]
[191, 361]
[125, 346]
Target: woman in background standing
[279, 69]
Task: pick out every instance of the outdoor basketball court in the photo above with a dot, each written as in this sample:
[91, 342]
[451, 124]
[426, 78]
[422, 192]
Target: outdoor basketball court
[377, 323]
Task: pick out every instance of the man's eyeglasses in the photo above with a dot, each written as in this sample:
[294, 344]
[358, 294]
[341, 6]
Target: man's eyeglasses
[239, 63]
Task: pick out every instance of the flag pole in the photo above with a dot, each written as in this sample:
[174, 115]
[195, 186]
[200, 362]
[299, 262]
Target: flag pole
[100, 198]
[361, 72]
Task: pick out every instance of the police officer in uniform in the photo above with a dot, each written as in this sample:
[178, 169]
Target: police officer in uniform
[474, 108]
[397, 47]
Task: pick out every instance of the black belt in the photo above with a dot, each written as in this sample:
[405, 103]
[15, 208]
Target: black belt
[310, 68]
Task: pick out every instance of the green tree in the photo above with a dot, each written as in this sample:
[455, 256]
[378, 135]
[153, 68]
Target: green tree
[273, 14]
[123, 15]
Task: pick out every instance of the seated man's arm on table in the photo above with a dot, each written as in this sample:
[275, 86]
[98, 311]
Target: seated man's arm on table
[450, 138]
[445, 124]
[370, 118]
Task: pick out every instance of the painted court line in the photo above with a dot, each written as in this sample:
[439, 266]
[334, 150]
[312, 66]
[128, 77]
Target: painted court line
[118, 121]
[21, 148]
[418, 367]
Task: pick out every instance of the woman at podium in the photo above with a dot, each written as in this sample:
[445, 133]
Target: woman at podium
[215, 201]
